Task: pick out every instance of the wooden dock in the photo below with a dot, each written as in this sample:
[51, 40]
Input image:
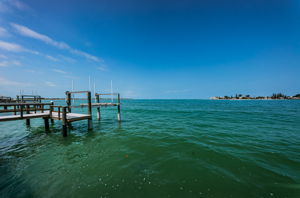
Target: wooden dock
[33, 108]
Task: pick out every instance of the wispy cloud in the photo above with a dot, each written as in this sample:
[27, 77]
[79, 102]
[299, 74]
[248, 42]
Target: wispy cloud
[3, 56]
[6, 82]
[102, 68]
[71, 60]
[19, 5]
[59, 71]
[13, 47]
[72, 77]
[25, 31]
[3, 7]
[51, 58]
[8, 63]
[50, 84]
[3, 32]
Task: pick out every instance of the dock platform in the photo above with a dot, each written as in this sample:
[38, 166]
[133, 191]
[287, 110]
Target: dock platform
[26, 109]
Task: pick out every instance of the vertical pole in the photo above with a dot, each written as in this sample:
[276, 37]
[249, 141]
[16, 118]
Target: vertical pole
[90, 123]
[98, 108]
[64, 122]
[68, 95]
[15, 111]
[21, 112]
[5, 107]
[46, 122]
[51, 110]
[119, 108]
[27, 111]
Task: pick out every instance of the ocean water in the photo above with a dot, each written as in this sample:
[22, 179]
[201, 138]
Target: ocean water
[162, 148]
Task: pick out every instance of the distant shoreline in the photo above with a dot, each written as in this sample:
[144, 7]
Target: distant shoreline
[275, 96]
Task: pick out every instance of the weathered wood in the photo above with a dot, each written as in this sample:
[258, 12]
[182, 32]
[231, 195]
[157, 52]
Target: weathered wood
[69, 101]
[64, 122]
[24, 116]
[51, 109]
[21, 112]
[14, 110]
[28, 112]
[28, 103]
[119, 108]
[90, 122]
[98, 108]
[46, 122]
[89, 98]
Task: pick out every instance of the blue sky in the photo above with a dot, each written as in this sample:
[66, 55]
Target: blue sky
[150, 49]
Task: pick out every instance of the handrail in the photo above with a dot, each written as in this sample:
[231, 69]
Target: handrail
[98, 94]
[24, 103]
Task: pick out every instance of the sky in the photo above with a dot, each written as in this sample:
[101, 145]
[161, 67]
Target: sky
[150, 49]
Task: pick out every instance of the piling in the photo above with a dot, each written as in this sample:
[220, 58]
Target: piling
[90, 123]
[64, 122]
[46, 122]
[27, 111]
[98, 108]
[119, 108]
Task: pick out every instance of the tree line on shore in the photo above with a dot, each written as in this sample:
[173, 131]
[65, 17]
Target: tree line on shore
[279, 96]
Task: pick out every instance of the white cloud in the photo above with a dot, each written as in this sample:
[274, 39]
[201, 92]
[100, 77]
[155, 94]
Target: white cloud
[59, 71]
[3, 32]
[8, 63]
[51, 58]
[4, 8]
[19, 5]
[4, 81]
[67, 59]
[12, 47]
[25, 31]
[50, 84]
[102, 68]
[3, 56]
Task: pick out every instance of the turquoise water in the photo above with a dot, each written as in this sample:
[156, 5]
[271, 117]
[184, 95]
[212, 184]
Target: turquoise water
[162, 148]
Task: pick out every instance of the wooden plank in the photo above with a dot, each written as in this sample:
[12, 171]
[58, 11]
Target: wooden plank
[24, 103]
[25, 116]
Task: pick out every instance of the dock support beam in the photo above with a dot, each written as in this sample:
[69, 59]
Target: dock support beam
[119, 108]
[64, 122]
[46, 122]
[90, 121]
[51, 109]
[98, 108]
[27, 120]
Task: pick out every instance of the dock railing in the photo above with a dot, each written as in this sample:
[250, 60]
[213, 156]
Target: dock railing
[118, 104]
[23, 108]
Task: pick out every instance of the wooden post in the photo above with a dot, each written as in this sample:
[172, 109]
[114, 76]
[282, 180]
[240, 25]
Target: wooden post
[69, 101]
[90, 123]
[15, 110]
[21, 111]
[46, 121]
[27, 111]
[119, 108]
[98, 108]
[64, 122]
[51, 110]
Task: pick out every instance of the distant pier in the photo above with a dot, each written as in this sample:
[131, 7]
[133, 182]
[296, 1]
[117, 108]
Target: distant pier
[26, 107]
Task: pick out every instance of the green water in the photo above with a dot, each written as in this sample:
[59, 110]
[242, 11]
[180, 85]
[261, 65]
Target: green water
[162, 148]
